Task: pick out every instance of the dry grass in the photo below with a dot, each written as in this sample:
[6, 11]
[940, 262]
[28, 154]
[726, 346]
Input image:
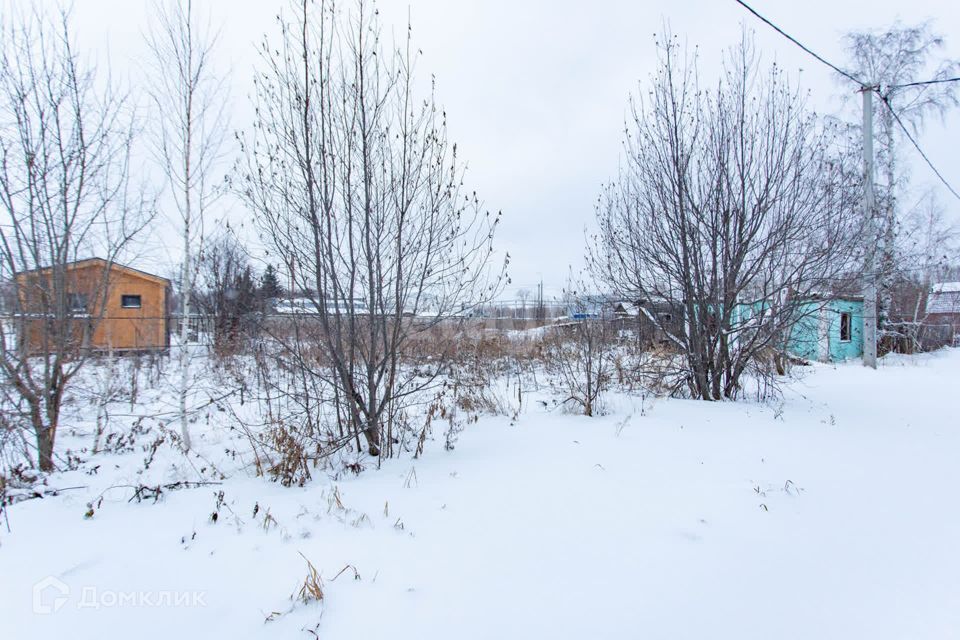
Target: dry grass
[312, 588]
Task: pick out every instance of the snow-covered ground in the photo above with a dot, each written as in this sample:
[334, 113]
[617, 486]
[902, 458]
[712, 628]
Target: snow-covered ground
[833, 514]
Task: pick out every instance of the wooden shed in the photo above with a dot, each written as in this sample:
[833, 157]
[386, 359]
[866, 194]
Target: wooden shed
[111, 307]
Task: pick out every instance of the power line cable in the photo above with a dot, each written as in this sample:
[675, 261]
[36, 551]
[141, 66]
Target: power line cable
[916, 145]
[923, 83]
[883, 97]
[801, 45]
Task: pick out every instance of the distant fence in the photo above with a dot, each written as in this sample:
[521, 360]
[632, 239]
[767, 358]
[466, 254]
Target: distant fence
[913, 337]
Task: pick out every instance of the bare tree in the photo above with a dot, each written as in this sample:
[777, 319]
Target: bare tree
[579, 353]
[733, 204]
[356, 187]
[523, 295]
[227, 292]
[189, 97]
[928, 246]
[889, 59]
[65, 193]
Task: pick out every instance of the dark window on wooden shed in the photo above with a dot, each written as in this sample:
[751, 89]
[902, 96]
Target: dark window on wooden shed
[77, 302]
[845, 327]
[130, 302]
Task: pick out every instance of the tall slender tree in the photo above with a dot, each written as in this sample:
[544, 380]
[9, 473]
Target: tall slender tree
[189, 95]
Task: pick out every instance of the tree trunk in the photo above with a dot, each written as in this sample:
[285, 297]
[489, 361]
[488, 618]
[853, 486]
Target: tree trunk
[372, 434]
[186, 286]
[45, 441]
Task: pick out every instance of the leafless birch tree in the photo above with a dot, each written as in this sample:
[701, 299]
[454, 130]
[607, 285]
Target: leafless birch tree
[356, 188]
[889, 59]
[189, 97]
[733, 203]
[65, 193]
[928, 248]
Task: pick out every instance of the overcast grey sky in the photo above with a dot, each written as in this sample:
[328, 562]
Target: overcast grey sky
[536, 90]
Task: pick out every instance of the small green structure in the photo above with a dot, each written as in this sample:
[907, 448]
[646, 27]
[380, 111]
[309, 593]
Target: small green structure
[826, 329]
[829, 331]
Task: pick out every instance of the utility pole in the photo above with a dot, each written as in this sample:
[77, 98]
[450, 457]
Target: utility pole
[869, 209]
[540, 311]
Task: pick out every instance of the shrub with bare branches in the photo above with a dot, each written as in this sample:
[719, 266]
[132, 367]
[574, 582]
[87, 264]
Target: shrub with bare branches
[737, 205]
[354, 184]
[66, 144]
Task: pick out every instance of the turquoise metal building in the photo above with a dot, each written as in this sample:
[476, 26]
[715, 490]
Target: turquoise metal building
[828, 330]
[831, 331]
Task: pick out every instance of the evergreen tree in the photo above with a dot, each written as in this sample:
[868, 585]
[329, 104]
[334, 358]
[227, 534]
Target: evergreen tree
[270, 284]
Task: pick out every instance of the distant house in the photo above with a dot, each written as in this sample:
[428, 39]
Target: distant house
[600, 306]
[306, 306]
[113, 307]
[657, 321]
[943, 305]
[296, 306]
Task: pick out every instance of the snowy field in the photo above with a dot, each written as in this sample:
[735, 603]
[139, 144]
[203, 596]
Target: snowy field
[834, 514]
